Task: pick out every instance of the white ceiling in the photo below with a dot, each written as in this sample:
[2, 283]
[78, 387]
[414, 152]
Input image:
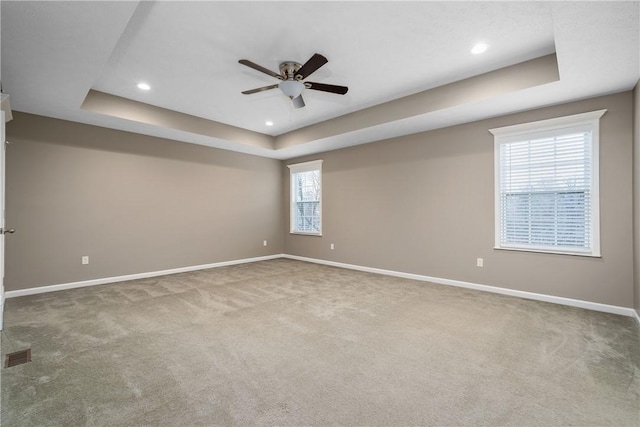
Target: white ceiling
[53, 53]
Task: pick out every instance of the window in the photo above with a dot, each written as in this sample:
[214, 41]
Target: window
[547, 185]
[306, 198]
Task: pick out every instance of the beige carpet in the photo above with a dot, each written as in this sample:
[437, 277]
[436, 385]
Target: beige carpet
[283, 342]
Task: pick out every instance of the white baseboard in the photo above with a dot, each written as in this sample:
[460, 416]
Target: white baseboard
[486, 288]
[468, 285]
[103, 281]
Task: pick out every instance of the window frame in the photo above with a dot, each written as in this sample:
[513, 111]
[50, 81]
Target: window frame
[295, 169]
[545, 128]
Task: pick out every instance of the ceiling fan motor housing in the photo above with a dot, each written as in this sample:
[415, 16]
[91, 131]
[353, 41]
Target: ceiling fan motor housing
[289, 69]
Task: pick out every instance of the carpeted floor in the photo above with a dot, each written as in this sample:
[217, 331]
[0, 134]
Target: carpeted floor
[284, 342]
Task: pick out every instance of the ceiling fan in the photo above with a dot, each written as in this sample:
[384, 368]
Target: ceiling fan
[292, 74]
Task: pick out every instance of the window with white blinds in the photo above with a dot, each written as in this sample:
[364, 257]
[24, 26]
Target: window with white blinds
[306, 197]
[547, 185]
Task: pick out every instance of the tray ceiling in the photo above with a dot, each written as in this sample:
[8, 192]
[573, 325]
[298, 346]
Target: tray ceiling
[408, 65]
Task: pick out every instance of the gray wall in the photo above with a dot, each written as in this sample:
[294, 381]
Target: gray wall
[132, 203]
[636, 198]
[419, 204]
[424, 204]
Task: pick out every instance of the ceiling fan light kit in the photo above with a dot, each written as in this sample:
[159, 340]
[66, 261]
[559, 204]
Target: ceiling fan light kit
[292, 74]
[291, 88]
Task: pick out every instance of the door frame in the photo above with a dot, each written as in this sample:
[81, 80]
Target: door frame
[2, 213]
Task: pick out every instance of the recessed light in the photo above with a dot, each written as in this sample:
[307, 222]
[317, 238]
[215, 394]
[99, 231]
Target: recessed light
[143, 86]
[268, 123]
[479, 48]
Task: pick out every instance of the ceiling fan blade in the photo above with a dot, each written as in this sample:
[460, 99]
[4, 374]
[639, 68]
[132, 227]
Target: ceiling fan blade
[298, 102]
[260, 89]
[260, 68]
[340, 90]
[309, 67]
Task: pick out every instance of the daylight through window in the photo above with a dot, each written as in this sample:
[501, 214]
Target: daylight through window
[306, 200]
[547, 185]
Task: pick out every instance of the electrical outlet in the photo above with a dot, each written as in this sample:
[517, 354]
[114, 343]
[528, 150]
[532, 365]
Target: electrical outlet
[264, 243]
[85, 260]
[332, 247]
[480, 262]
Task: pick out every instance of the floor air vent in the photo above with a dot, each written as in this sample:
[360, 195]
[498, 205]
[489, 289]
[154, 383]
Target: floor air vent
[18, 358]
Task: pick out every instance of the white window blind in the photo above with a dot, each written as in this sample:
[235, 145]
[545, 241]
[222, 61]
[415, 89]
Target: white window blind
[547, 186]
[306, 200]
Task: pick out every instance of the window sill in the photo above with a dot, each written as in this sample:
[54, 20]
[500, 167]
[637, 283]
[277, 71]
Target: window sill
[552, 252]
[301, 233]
